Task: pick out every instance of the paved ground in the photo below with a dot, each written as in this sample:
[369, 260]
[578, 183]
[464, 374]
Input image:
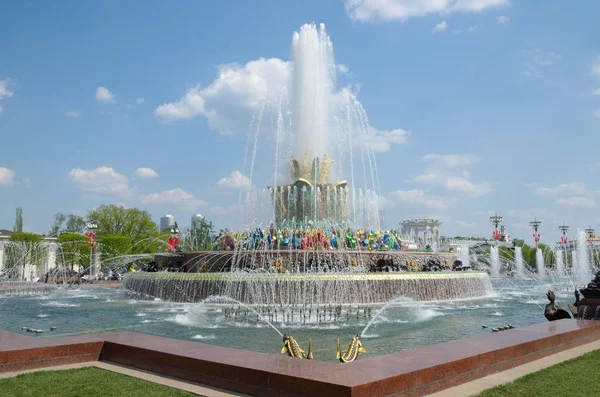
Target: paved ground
[466, 389]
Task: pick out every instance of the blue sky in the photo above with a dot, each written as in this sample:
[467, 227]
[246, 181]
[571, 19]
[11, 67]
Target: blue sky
[490, 105]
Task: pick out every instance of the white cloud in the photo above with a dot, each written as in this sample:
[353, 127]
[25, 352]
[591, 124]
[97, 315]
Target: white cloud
[503, 20]
[26, 182]
[145, 173]
[382, 140]
[597, 92]
[232, 209]
[6, 176]
[577, 201]
[175, 197]
[418, 198]
[440, 27]
[597, 113]
[343, 69]
[463, 185]
[4, 92]
[235, 181]
[451, 160]
[139, 101]
[102, 180]
[73, 113]
[402, 10]
[1, 109]
[228, 102]
[571, 188]
[104, 95]
[473, 28]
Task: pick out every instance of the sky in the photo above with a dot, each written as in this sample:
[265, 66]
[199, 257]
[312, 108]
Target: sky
[477, 106]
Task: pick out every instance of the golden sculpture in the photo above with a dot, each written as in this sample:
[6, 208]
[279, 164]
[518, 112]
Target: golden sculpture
[291, 347]
[352, 352]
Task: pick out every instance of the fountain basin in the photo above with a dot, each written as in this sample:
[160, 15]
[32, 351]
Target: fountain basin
[309, 288]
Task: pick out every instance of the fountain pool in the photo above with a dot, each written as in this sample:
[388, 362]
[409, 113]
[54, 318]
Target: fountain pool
[405, 324]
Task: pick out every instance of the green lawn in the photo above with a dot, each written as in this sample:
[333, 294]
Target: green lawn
[576, 377]
[83, 382]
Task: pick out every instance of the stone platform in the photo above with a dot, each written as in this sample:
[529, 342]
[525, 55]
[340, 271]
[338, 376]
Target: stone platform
[415, 372]
[260, 288]
[304, 260]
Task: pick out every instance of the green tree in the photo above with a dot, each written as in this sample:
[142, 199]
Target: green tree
[67, 224]
[113, 245]
[18, 228]
[133, 223]
[74, 249]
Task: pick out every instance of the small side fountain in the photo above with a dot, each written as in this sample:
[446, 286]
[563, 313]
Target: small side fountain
[519, 264]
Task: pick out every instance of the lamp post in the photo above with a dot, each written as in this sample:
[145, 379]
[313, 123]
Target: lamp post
[91, 235]
[496, 220]
[564, 228]
[174, 239]
[535, 224]
[590, 232]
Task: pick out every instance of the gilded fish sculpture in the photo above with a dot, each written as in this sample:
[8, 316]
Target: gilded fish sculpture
[353, 351]
[291, 347]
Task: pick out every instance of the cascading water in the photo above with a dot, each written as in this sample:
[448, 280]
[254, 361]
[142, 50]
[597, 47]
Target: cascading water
[495, 261]
[560, 264]
[539, 261]
[464, 256]
[322, 136]
[582, 270]
[519, 265]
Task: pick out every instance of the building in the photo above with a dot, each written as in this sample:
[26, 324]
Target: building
[166, 222]
[424, 231]
[196, 222]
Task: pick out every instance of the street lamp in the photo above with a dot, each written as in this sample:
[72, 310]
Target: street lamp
[91, 235]
[535, 224]
[496, 220]
[564, 228]
[590, 232]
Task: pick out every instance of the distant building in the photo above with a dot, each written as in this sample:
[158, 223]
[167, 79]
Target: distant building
[197, 222]
[166, 222]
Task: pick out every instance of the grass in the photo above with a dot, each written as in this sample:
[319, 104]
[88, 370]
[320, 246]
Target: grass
[82, 382]
[575, 377]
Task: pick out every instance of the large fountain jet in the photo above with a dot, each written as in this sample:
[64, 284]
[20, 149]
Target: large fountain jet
[313, 82]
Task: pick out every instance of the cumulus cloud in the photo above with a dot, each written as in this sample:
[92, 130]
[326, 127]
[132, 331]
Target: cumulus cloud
[577, 201]
[6, 176]
[73, 113]
[596, 68]
[440, 27]
[402, 10]
[473, 28]
[419, 198]
[104, 95]
[4, 91]
[145, 173]
[382, 140]
[597, 113]
[463, 185]
[1, 109]
[228, 102]
[571, 188]
[102, 180]
[175, 197]
[139, 101]
[596, 92]
[536, 61]
[503, 20]
[235, 181]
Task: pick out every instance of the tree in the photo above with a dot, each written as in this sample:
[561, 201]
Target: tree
[113, 245]
[75, 250]
[133, 223]
[18, 228]
[67, 224]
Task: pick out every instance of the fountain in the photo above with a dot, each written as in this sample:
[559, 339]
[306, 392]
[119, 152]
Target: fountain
[519, 266]
[539, 262]
[312, 237]
[581, 261]
[494, 261]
